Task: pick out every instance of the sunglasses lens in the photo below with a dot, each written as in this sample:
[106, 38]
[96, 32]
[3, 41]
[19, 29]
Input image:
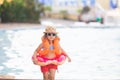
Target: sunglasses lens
[51, 34]
[54, 34]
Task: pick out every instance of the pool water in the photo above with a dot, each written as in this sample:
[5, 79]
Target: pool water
[95, 53]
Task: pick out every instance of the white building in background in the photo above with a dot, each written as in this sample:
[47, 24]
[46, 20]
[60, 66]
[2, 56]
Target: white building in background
[70, 5]
[73, 6]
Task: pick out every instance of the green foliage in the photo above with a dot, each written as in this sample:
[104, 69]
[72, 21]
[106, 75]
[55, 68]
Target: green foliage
[20, 11]
[79, 10]
[48, 8]
[64, 13]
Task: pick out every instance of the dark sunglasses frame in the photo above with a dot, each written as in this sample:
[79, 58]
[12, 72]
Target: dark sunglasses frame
[50, 34]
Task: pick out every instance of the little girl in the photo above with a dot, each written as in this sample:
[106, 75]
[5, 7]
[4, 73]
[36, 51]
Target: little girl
[49, 54]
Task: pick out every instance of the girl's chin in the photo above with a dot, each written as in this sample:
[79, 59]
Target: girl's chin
[51, 39]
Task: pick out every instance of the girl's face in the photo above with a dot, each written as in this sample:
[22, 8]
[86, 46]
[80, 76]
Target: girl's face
[51, 36]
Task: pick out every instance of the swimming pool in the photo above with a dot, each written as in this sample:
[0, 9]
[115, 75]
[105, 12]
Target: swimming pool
[95, 53]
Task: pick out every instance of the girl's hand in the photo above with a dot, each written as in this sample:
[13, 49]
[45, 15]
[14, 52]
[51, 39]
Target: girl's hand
[48, 62]
[55, 62]
[69, 60]
[34, 60]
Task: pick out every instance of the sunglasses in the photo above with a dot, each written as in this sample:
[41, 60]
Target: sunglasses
[50, 34]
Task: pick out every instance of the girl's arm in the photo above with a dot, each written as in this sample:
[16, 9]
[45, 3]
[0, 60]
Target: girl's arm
[36, 52]
[35, 59]
[62, 50]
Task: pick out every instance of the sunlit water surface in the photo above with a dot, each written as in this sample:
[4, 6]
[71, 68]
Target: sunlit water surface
[95, 53]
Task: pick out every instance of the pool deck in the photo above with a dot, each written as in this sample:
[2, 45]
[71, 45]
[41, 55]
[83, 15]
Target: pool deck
[18, 25]
[57, 23]
[6, 77]
[33, 25]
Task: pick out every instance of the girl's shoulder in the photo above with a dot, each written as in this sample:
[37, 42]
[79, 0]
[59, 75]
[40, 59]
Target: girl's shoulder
[41, 45]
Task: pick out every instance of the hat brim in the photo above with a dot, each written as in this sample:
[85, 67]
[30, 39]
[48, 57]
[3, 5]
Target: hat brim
[51, 32]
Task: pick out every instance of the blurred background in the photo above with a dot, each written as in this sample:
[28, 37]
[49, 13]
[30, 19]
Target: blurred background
[102, 11]
[89, 32]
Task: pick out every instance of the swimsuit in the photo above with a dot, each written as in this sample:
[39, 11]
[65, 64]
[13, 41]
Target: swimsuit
[53, 49]
[44, 59]
[59, 58]
[48, 67]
